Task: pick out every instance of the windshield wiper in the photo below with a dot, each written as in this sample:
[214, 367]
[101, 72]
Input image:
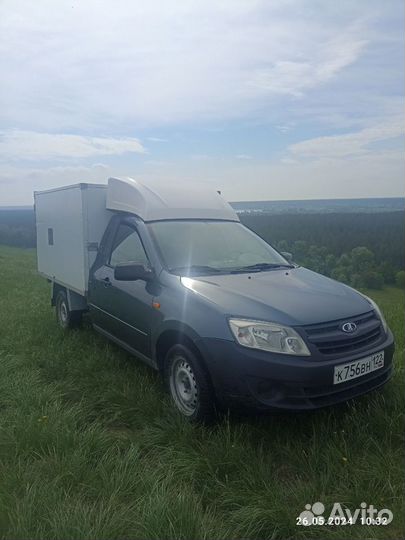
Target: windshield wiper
[197, 268]
[258, 267]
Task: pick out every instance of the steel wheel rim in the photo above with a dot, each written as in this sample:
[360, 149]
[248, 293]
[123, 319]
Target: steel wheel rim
[63, 312]
[183, 385]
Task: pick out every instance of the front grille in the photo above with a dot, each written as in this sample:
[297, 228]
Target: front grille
[330, 339]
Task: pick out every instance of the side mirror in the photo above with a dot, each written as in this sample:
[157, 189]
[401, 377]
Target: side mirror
[132, 272]
[287, 256]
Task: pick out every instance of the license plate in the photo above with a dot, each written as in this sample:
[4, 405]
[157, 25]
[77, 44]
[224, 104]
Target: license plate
[346, 372]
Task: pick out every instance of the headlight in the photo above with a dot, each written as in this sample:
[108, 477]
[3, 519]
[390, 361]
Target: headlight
[268, 337]
[378, 311]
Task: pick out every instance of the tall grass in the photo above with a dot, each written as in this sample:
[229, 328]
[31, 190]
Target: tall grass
[90, 447]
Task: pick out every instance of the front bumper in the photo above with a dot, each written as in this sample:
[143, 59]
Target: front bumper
[262, 380]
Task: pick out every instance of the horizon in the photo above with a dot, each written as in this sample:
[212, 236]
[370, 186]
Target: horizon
[27, 206]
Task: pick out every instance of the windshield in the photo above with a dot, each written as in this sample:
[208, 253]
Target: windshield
[212, 246]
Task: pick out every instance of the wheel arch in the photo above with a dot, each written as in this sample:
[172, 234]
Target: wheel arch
[76, 302]
[176, 334]
[56, 288]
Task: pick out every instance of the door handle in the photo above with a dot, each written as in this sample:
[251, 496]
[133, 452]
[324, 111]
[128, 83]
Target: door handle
[106, 281]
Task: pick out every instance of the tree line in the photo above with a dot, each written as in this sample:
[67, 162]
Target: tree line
[363, 249]
[17, 228]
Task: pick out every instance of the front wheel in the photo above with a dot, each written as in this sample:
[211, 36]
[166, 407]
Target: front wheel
[189, 385]
[65, 317]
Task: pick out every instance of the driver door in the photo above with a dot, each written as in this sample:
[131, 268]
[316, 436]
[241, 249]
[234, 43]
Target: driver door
[125, 306]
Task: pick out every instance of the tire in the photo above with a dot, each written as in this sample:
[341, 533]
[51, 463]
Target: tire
[66, 318]
[189, 385]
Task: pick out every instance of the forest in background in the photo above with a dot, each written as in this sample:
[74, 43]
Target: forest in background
[17, 227]
[360, 249]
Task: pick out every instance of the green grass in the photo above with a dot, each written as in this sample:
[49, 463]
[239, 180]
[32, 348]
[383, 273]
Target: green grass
[90, 447]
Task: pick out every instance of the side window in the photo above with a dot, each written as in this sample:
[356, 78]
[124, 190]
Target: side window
[127, 247]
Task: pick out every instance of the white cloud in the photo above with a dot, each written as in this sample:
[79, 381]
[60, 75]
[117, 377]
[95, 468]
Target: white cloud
[20, 145]
[191, 71]
[243, 156]
[295, 76]
[348, 144]
[284, 128]
[17, 184]
[156, 139]
[100, 165]
[378, 174]
[91, 64]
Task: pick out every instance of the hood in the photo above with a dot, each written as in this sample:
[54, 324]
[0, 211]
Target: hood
[294, 296]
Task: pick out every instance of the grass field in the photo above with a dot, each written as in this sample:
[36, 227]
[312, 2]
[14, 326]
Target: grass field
[91, 449]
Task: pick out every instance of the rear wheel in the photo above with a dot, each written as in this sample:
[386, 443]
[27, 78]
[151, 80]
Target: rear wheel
[189, 384]
[65, 317]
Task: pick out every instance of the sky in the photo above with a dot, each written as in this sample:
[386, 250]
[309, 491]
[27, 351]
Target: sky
[262, 99]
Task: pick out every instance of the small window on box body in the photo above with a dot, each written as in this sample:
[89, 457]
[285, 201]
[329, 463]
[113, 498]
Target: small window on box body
[50, 237]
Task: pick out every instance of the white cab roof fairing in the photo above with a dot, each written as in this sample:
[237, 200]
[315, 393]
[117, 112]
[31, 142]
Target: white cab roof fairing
[153, 201]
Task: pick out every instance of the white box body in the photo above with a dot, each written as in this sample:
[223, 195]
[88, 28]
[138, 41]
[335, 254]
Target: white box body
[70, 223]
